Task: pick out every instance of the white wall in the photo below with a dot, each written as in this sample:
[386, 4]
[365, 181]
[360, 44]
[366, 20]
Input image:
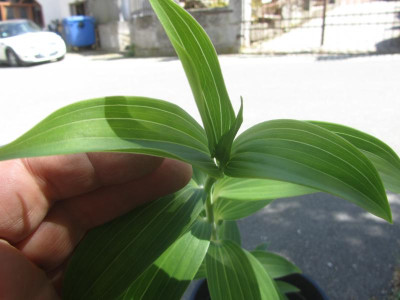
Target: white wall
[55, 9]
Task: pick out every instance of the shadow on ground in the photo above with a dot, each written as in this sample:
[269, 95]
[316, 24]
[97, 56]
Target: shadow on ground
[385, 47]
[349, 252]
[99, 55]
[389, 46]
[5, 65]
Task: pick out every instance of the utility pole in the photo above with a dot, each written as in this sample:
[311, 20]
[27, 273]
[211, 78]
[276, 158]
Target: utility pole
[323, 23]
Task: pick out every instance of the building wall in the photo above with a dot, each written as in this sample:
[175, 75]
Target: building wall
[112, 18]
[114, 36]
[119, 31]
[149, 39]
[105, 11]
[54, 9]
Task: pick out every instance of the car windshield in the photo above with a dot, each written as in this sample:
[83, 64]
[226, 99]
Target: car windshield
[17, 28]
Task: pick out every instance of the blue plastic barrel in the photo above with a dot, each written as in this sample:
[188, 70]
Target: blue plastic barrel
[79, 31]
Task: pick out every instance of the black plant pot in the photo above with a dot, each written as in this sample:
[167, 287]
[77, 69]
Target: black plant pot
[309, 290]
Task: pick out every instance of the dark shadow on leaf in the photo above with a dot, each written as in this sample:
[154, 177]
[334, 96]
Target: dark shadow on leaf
[163, 286]
[125, 125]
[201, 229]
[114, 255]
[151, 126]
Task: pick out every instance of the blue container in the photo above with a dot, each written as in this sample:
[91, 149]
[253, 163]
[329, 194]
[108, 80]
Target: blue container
[79, 31]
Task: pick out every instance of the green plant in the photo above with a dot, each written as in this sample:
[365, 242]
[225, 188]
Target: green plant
[155, 251]
[130, 50]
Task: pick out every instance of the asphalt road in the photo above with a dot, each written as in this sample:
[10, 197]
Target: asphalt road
[351, 254]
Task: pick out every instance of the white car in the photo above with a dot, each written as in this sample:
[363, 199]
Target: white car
[23, 42]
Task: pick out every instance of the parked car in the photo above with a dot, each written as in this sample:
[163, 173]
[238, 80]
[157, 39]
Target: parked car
[23, 42]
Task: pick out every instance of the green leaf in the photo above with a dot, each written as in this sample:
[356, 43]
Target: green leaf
[286, 288]
[309, 155]
[199, 177]
[111, 257]
[121, 124]
[229, 230]
[233, 273]
[262, 247]
[201, 272]
[202, 68]
[226, 230]
[381, 155]
[247, 189]
[238, 198]
[223, 150]
[172, 272]
[276, 265]
[267, 286]
[226, 209]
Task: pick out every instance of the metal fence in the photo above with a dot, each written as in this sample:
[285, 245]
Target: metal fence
[140, 8]
[325, 26]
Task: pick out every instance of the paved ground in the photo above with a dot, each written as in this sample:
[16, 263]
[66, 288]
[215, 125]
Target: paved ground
[351, 255]
[349, 29]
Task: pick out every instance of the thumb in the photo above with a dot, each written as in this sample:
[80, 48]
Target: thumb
[21, 279]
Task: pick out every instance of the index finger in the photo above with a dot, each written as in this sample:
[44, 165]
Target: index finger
[28, 187]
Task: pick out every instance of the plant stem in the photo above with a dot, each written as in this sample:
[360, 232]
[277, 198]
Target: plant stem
[209, 206]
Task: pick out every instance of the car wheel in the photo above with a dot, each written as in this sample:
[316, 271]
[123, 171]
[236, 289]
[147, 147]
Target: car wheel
[13, 59]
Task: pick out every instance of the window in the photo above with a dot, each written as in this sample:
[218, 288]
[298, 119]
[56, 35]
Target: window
[78, 8]
[21, 9]
[23, 12]
[10, 13]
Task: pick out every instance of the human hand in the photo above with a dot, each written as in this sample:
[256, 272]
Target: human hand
[47, 205]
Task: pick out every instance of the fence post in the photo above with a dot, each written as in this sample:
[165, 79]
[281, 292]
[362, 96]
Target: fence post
[323, 23]
[245, 21]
